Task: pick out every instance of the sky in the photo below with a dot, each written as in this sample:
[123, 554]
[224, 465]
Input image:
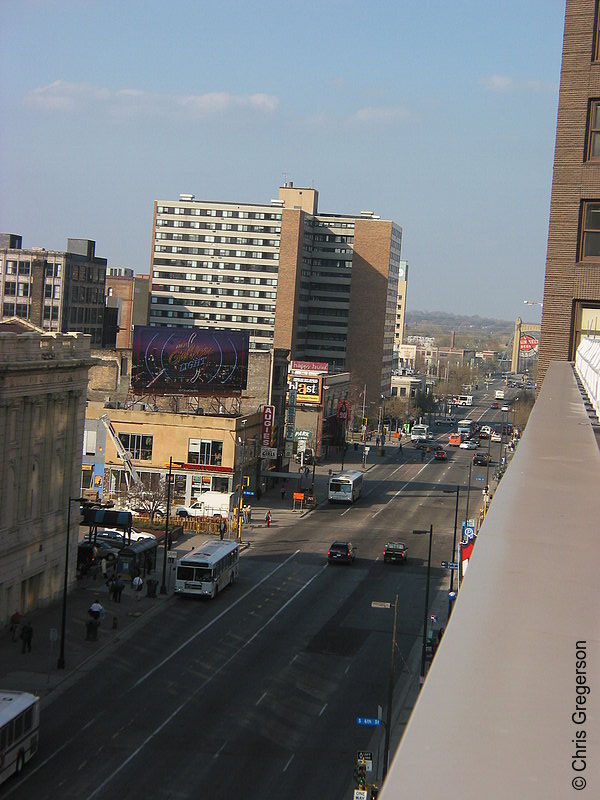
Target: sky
[440, 116]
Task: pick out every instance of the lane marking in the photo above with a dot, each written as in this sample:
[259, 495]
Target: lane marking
[202, 686]
[211, 623]
[218, 753]
[262, 697]
[323, 709]
[290, 759]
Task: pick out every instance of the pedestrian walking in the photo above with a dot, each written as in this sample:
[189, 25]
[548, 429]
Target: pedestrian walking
[249, 514]
[96, 610]
[283, 492]
[137, 584]
[222, 529]
[377, 441]
[268, 518]
[119, 586]
[244, 514]
[15, 621]
[111, 588]
[104, 566]
[26, 636]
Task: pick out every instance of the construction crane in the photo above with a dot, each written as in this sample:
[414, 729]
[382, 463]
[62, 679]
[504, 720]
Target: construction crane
[130, 471]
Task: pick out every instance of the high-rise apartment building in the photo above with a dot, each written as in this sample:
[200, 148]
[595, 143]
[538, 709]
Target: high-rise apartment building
[323, 286]
[60, 291]
[401, 305]
[571, 306]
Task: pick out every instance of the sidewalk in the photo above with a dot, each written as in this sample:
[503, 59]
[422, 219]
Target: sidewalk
[37, 672]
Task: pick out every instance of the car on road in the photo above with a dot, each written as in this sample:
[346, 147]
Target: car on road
[341, 553]
[505, 408]
[481, 459]
[496, 436]
[440, 455]
[421, 444]
[495, 404]
[395, 552]
[446, 421]
[470, 444]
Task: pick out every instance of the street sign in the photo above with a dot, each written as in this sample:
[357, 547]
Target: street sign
[370, 721]
[479, 479]
[380, 604]
[366, 755]
[468, 533]
[268, 452]
[450, 564]
[360, 794]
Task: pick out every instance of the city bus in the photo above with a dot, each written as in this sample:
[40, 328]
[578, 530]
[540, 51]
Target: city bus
[464, 400]
[419, 432]
[207, 570]
[19, 728]
[466, 428]
[345, 487]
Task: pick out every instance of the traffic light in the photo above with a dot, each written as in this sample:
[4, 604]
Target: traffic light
[361, 774]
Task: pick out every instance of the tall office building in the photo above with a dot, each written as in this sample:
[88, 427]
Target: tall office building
[323, 286]
[401, 306]
[61, 291]
[572, 288]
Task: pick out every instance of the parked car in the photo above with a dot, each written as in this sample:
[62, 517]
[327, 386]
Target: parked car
[90, 555]
[481, 459]
[341, 553]
[440, 455]
[395, 552]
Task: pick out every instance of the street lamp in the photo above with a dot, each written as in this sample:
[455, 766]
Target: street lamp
[61, 656]
[426, 610]
[163, 588]
[469, 490]
[388, 724]
[241, 498]
[451, 590]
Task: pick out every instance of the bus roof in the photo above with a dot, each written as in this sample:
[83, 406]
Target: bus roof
[12, 703]
[209, 551]
[349, 474]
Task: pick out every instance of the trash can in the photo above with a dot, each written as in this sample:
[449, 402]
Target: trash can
[151, 587]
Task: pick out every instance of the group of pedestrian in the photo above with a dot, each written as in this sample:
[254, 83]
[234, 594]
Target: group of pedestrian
[115, 588]
[247, 514]
[25, 634]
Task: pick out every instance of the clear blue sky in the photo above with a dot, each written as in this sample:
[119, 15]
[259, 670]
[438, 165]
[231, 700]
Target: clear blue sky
[439, 115]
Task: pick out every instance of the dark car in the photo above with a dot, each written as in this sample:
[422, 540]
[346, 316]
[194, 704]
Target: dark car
[89, 555]
[495, 404]
[440, 455]
[394, 551]
[421, 444]
[341, 553]
[481, 459]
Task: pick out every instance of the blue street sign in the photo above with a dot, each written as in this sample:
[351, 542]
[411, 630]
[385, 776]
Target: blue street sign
[372, 721]
[479, 479]
[450, 564]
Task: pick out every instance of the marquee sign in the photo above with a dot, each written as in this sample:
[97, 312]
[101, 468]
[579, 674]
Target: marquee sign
[268, 418]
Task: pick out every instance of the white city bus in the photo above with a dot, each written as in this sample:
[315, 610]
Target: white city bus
[345, 487]
[19, 727]
[207, 570]
[464, 400]
[419, 432]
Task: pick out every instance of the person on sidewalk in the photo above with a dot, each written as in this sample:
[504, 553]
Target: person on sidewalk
[119, 586]
[26, 636]
[222, 529]
[15, 621]
[137, 584]
[249, 514]
[268, 518]
[96, 610]
[283, 492]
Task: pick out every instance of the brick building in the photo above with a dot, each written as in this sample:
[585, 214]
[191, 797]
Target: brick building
[571, 305]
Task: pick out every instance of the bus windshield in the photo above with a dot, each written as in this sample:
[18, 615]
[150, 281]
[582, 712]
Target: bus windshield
[337, 485]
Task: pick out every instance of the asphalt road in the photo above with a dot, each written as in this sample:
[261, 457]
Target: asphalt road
[256, 693]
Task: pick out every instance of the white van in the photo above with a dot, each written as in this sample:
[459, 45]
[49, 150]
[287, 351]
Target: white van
[499, 394]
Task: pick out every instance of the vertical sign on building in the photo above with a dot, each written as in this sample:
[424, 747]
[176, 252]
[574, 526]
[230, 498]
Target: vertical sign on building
[291, 420]
[268, 419]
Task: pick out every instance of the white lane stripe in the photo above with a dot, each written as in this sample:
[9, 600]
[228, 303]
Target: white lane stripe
[262, 697]
[218, 753]
[205, 683]
[211, 623]
[323, 709]
[290, 759]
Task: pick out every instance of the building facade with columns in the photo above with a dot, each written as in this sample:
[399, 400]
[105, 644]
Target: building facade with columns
[43, 382]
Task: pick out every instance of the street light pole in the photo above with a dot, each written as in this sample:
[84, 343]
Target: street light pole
[241, 498]
[163, 588]
[469, 490]
[450, 602]
[388, 726]
[61, 656]
[426, 610]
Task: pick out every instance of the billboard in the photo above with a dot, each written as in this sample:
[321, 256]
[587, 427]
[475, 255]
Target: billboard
[188, 360]
[308, 390]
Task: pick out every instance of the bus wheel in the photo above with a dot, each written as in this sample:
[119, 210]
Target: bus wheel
[20, 763]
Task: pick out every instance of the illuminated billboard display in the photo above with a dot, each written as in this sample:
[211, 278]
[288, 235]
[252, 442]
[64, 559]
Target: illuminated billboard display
[188, 360]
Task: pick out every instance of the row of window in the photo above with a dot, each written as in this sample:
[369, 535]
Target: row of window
[189, 301]
[20, 310]
[194, 237]
[211, 251]
[199, 276]
[206, 317]
[12, 289]
[16, 268]
[181, 262]
[216, 226]
[216, 212]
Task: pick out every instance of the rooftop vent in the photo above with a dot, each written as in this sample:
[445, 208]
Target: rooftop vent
[187, 197]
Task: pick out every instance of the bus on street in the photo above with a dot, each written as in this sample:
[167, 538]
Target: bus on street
[420, 432]
[345, 487]
[466, 428]
[207, 570]
[19, 729]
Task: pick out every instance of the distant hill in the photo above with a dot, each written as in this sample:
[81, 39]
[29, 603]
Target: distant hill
[475, 331]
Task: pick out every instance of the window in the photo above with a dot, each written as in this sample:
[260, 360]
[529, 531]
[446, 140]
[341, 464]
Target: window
[590, 234]
[205, 451]
[8, 310]
[593, 152]
[89, 443]
[10, 289]
[22, 310]
[139, 446]
[596, 43]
